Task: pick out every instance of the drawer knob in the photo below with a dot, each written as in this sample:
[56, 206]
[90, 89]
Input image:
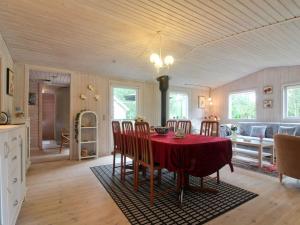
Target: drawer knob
[15, 180]
[14, 158]
[16, 203]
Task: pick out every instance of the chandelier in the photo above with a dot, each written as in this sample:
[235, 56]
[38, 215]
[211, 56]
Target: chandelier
[158, 61]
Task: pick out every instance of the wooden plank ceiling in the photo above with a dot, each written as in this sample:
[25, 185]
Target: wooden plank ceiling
[213, 41]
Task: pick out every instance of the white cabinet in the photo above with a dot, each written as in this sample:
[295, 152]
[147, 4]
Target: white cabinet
[12, 172]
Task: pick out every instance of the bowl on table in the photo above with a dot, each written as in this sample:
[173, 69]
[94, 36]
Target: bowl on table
[161, 130]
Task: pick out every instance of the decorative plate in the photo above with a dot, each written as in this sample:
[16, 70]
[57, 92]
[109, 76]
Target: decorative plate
[3, 118]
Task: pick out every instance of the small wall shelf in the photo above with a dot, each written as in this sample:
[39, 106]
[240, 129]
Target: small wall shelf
[86, 125]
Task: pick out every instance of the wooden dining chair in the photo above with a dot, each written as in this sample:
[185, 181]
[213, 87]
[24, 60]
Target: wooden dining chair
[129, 147]
[210, 128]
[145, 156]
[117, 139]
[185, 125]
[172, 124]
[64, 138]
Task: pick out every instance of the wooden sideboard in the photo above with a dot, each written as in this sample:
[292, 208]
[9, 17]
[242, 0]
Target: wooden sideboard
[13, 156]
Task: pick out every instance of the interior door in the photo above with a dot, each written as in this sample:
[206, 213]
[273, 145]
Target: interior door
[48, 116]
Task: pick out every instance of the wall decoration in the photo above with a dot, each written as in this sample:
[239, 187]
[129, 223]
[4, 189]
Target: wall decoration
[97, 97]
[10, 82]
[91, 87]
[268, 104]
[201, 102]
[268, 90]
[32, 99]
[82, 97]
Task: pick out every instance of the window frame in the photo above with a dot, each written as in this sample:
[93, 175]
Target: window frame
[179, 91]
[229, 104]
[284, 107]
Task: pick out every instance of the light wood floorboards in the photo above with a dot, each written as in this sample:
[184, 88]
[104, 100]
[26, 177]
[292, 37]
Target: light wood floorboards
[67, 193]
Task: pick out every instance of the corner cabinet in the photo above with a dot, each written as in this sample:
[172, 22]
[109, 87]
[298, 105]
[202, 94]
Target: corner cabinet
[12, 172]
[86, 126]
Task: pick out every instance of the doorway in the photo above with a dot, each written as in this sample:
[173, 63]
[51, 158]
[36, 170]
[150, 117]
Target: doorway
[49, 112]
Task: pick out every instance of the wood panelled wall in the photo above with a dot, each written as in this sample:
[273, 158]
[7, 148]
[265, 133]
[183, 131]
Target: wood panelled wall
[6, 101]
[276, 77]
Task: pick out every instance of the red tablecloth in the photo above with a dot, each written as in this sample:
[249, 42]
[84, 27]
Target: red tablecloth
[195, 154]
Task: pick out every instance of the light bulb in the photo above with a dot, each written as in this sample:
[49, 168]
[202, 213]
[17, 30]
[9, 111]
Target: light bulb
[154, 58]
[169, 60]
[209, 99]
[158, 63]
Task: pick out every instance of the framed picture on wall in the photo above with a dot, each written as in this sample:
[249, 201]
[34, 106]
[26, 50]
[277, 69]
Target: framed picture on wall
[10, 86]
[268, 104]
[268, 90]
[201, 102]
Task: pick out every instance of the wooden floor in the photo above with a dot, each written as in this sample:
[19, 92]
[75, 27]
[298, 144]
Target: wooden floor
[67, 193]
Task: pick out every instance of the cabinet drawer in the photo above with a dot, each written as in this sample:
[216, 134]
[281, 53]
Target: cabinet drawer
[14, 161]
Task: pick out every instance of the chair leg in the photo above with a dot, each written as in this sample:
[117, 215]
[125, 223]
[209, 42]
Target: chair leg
[114, 162]
[151, 186]
[61, 145]
[136, 176]
[159, 176]
[122, 165]
[280, 177]
[123, 169]
[218, 177]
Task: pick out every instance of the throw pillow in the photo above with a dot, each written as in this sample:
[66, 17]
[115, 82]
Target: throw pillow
[258, 131]
[287, 130]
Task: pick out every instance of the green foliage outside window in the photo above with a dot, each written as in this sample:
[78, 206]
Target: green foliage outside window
[242, 105]
[178, 105]
[293, 101]
[127, 97]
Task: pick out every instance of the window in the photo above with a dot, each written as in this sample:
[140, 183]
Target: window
[124, 103]
[292, 102]
[178, 105]
[242, 105]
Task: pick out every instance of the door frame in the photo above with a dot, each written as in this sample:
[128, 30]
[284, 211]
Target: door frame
[29, 67]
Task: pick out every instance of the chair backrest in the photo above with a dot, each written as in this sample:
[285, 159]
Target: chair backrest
[209, 128]
[288, 155]
[143, 143]
[185, 125]
[172, 124]
[128, 139]
[117, 136]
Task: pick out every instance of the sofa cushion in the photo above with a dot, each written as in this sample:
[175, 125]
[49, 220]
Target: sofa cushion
[258, 131]
[287, 130]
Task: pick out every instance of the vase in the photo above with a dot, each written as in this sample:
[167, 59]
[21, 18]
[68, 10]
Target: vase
[233, 135]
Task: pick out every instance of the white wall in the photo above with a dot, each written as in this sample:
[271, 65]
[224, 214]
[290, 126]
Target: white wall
[5, 62]
[276, 77]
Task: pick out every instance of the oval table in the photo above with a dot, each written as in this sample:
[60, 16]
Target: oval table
[194, 155]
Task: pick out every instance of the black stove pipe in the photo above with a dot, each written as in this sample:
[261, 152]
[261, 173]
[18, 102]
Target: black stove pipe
[163, 87]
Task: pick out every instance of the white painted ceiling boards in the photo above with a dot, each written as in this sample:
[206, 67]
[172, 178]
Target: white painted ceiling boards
[213, 41]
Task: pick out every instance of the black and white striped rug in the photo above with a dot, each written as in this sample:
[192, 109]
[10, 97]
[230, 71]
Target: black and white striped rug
[197, 208]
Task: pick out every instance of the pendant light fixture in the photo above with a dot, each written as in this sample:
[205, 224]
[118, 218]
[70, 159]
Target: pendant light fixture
[157, 60]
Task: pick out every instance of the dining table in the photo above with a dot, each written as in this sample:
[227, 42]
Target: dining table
[193, 154]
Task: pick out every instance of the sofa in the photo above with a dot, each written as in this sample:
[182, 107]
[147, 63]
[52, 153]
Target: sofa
[244, 132]
[244, 129]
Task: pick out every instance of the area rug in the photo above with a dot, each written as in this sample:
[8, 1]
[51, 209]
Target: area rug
[197, 208]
